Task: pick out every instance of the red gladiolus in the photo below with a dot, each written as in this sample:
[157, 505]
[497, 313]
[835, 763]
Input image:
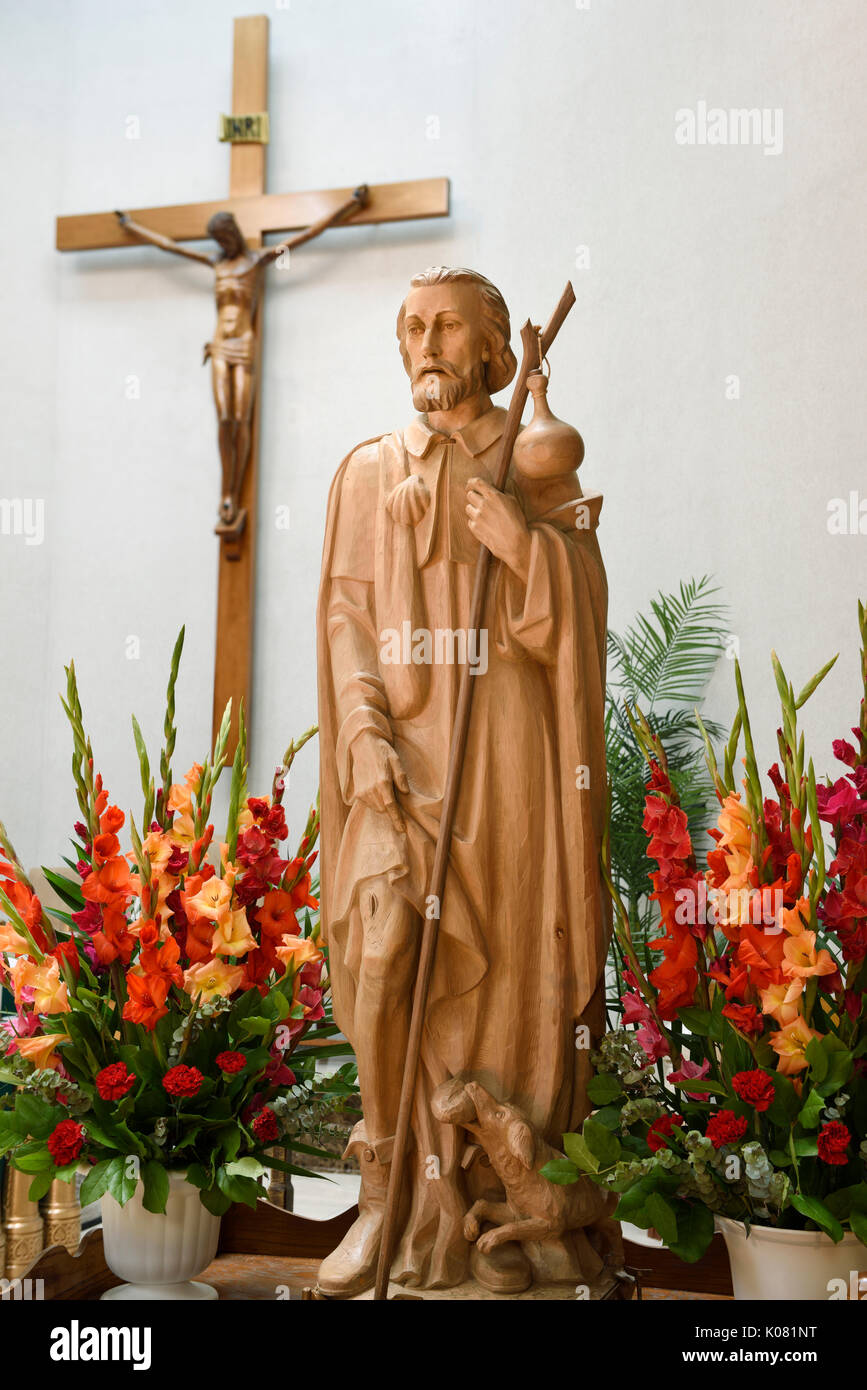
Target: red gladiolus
[834, 1139]
[745, 1017]
[725, 1127]
[114, 1082]
[755, 1088]
[265, 1126]
[65, 1142]
[231, 1061]
[183, 1081]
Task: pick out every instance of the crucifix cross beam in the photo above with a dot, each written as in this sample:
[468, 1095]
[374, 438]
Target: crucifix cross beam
[237, 347]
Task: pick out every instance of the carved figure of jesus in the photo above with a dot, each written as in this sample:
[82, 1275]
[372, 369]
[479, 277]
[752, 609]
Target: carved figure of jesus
[232, 350]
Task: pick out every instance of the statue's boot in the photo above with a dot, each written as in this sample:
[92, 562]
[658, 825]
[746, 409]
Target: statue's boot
[351, 1268]
[504, 1270]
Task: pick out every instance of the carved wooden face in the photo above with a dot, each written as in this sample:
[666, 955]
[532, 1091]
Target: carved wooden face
[445, 343]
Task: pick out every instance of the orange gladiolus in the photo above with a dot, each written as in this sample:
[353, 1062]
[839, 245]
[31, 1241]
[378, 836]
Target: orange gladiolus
[762, 953]
[298, 951]
[111, 820]
[180, 798]
[110, 878]
[11, 941]
[802, 959]
[795, 919]
[147, 999]
[212, 978]
[790, 1045]
[732, 860]
[41, 1050]
[782, 1001]
[212, 900]
[276, 916]
[162, 960]
[44, 984]
[232, 936]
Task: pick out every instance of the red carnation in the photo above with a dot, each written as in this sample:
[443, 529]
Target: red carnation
[725, 1127]
[65, 1142]
[183, 1081]
[834, 1139]
[754, 1087]
[114, 1082]
[660, 1130]
[231, 1061]
[265, 1126]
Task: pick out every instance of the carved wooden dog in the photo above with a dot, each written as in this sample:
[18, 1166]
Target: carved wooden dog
[565, 1231]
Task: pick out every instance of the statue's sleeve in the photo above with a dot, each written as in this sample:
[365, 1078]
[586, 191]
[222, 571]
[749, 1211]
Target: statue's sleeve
[565, 596]
[358, 690]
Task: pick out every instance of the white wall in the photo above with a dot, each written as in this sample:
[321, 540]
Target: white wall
[556, 126]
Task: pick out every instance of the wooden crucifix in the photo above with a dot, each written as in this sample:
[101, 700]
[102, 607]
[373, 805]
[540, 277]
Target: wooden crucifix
[240, 223]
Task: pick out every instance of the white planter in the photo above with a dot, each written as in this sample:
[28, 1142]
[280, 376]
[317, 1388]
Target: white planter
[772, 1264]
[159, 1255]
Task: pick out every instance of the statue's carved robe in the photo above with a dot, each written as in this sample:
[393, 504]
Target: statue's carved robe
[522, 935]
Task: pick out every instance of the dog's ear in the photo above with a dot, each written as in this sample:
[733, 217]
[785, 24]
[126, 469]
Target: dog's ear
[521, 1142]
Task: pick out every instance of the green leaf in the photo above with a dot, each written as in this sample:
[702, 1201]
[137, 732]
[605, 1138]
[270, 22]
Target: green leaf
[811, 1110]
[780, 1158]
[818, 1213]
[214, 1201]
[100, 1135]
[662, 1217]
[239, 1189]
[198, 1176]
[121, 1186]
[37, 1161]
[601, 1142]
[36, 1116]
[256, 1025]
[40, 1186]
[858, 1222]
[248, 1167]
[695, 1227]
[700, 1084]
[846, 1200]
[66, 889]
[156, 1186]
[603, 1088]
[579, 1153]
[561, 1170]
[633, 1202]
[807, 1147]
[818, 1059]
[695, 1021]
[96, 1182]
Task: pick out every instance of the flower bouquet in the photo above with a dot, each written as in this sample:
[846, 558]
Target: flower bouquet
[157, 1017]
[736, 1089]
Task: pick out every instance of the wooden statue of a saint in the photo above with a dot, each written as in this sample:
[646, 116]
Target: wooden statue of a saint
[517, 985]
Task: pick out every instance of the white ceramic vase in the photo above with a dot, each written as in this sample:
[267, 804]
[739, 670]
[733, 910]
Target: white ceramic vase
[773, 1264]
[159, 1255]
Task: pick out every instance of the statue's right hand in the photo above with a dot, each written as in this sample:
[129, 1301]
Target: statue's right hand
[376, 771]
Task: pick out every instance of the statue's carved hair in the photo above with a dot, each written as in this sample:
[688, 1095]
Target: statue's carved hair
[495, 317]
[222, 220]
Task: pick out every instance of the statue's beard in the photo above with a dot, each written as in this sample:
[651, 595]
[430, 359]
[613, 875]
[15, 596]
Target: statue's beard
[445, 389]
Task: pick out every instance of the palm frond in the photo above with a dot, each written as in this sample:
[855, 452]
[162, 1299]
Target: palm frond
[669, 654]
